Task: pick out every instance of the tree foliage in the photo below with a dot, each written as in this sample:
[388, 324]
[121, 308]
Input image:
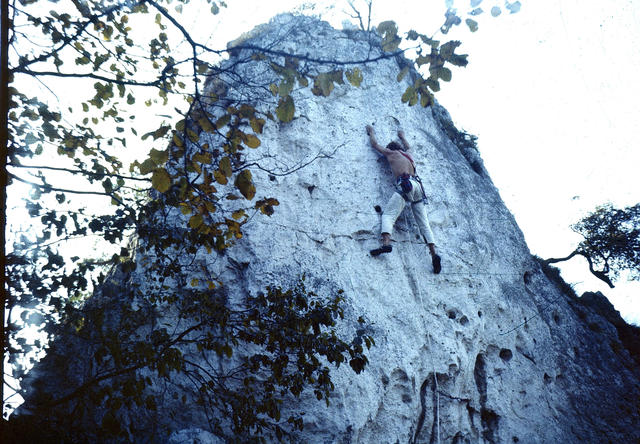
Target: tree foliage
[611, 242]
[240, 364]
[81, 77]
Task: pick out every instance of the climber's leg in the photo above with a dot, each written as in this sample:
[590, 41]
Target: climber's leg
[420, 215]
[391, 212]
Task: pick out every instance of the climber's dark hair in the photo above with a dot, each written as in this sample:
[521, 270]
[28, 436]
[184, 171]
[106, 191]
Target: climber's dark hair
[394, 146]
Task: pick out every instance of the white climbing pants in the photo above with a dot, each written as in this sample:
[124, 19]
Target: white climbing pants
[396, 205]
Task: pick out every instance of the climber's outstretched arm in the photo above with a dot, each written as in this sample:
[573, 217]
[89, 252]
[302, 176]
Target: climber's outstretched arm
[403, 140]
[374, 143]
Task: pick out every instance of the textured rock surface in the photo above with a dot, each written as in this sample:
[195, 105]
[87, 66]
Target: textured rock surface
[490, 350]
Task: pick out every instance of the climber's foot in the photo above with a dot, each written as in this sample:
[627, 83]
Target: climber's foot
[379, 251]
[437, 265]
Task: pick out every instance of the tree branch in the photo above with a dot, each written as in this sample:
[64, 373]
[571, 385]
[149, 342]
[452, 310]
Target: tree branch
[64, 190]
[72, 171]
[307, 58]
[5, 24]
[88, 75]
[599, 274]
[112, 374]
[72, 38]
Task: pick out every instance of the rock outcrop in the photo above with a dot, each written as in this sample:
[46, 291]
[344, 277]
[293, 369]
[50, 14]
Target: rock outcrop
[494, 349]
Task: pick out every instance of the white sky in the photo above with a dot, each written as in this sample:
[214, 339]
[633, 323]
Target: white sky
[559, 80]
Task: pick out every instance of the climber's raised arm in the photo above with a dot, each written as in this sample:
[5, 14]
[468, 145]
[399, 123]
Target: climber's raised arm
[374, 143]
[403, 140]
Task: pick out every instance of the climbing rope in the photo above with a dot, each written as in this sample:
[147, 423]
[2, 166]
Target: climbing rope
[435, 380]
[433, 365]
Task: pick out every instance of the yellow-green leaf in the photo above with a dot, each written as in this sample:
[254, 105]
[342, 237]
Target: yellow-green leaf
[196, 221]
[252, 141]
[220, 177]
[161, 180]
[237, 215]
[285, 87]
[257, 124]
[225, 166]
[354, 76]
[206, 125]
[389, 32]
[202, 68]
[285, 109]
[336, 76]
[160, 132]
[425, 99]
[445, 74]
[193, 136]
[158, 157]
[185, 208]
[245, 185]
[472, 24]
[223, 121]
[388, 26]
[408, 94]
[147, 166]
[402, 73]
[202, 158]
[322, 85]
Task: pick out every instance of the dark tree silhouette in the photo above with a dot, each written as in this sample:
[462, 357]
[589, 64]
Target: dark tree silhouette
[611, 242]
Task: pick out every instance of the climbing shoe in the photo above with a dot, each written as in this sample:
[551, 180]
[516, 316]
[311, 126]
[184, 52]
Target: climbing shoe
[437, 265]
[383, 249]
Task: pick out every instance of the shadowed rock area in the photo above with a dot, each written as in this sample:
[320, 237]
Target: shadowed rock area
[492, 350]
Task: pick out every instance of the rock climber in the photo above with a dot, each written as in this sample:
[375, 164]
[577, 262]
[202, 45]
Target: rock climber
[408, 190]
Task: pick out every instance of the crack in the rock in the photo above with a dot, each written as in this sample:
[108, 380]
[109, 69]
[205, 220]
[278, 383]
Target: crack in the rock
[430, 382]
[423, 403]
[488, 418]
[523, 353]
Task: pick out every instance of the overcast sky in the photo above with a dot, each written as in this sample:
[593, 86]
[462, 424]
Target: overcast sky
[551, 93]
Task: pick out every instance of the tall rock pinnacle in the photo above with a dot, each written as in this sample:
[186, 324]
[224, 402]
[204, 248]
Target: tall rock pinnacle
[493, 349]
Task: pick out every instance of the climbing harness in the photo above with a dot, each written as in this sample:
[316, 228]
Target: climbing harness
[424, 195]
[404, 187]
[404, 182]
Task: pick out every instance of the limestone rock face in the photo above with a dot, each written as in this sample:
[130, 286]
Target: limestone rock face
[492, 349]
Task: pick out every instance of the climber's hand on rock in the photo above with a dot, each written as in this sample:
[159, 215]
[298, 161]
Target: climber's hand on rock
[369, 130]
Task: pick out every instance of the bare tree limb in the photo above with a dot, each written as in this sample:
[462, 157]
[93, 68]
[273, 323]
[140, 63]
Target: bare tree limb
[88, 75]
[83, 172]
[64, 190]
[599, 274]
